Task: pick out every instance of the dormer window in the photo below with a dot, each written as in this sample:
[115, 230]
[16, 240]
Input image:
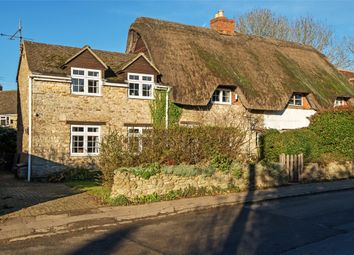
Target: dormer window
[340, 101]
[85, 81]
[140, 86]
[296, 100]
[221, 96]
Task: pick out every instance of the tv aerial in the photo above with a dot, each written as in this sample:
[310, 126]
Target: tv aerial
[17, 34]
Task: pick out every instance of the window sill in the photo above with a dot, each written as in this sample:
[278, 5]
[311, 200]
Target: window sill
[143, 98]
[77, 155]
[86, 94]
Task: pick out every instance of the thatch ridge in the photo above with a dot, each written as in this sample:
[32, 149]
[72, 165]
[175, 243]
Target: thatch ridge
[195, 60]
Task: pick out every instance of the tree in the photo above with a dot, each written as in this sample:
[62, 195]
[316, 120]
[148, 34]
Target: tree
[305, 30]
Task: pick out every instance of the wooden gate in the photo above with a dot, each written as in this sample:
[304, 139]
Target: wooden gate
[294, 164]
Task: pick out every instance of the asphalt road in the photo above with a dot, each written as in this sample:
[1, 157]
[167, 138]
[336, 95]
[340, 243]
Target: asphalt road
[317, 224]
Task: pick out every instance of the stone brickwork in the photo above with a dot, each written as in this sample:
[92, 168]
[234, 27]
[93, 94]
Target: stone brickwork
[131, 186]
[331, 171]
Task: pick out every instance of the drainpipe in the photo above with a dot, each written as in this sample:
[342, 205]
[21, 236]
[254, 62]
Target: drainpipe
[166, 113]
[29, 153]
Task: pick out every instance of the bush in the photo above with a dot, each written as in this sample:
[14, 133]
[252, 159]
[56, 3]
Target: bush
[329, 137]
[188, 170]
[75, 174]
[290, 142]
[335, 131]
[7, 140]
[143, 171]
[221, 162]
[175, 146]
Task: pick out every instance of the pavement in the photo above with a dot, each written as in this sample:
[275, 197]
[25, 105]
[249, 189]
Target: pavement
[92, 216]
[321, 223]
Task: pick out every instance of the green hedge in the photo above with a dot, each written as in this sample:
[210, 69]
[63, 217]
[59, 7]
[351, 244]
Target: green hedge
[330, 136]
[7, 140]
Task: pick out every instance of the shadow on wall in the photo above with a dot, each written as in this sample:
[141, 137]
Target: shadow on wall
[52, 162]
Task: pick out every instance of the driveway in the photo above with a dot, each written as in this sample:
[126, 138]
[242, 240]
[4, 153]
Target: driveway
[19, 198]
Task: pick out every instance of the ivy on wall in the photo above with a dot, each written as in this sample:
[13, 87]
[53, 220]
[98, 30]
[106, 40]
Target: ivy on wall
[158, 111]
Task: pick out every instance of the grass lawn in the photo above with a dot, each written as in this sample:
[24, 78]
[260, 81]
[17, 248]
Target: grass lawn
[99, 191]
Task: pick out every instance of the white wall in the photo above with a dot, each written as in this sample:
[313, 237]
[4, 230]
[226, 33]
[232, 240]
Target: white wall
[287, 119]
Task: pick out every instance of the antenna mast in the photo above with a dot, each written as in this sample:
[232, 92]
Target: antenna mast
[17, 34]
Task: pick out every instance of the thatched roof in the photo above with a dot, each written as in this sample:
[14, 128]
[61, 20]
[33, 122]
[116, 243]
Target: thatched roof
[195, 60]
[48, 58]
[8, 102]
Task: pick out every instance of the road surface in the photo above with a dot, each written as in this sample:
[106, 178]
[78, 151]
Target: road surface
[315, 224]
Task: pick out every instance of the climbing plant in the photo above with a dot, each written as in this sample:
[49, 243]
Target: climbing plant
[158, 111]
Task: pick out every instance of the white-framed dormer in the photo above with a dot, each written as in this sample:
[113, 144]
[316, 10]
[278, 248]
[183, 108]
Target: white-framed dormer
[87, 82]
[221, 96]
[340, 101]
[296, 99]
[140, 86]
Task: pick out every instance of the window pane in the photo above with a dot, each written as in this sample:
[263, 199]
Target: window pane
[132, 131]
[92, 73]
[298, 100]
[291, 101]
[133, 77]
[78, 85]
[216, 96]
[147, 90]
[92, 144]
[147, 78]
[77, 129]
[77, 144]
[93, 86]
[133, 89]
[78, 72]
[226, 96]
[92, 129]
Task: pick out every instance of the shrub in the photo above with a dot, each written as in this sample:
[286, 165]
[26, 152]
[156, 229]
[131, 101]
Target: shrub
[144, 172]
[172, 146]
[329, 137]
[221, 162]
[236, 170]
[335, 130]
[296, 141]
[75, 174]
[188, 170]
[7, 140]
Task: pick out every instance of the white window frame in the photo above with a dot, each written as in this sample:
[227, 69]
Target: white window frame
[221, 91]
[6, 119]
[86, 78]
[85, 134]
[293, 98]
[339, 101]
[139, 135]
[140, 81]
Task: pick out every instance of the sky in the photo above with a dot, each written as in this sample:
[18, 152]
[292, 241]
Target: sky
[104, 24]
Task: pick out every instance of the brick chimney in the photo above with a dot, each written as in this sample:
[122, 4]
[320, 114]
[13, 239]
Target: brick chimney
[222, 24]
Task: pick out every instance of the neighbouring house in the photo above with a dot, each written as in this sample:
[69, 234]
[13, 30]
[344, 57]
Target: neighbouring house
[71, 97]
[8, 108]
[349, 74]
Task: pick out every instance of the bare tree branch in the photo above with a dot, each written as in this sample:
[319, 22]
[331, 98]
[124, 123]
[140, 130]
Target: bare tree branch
[305, 30]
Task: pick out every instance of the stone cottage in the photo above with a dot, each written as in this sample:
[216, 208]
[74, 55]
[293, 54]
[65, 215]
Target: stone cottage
[8, 108]
[69, 98]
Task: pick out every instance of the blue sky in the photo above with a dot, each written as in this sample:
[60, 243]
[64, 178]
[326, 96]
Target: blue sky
[104, 24]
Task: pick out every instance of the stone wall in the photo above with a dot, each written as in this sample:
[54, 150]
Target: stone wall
[131, 186]
[330, 171]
